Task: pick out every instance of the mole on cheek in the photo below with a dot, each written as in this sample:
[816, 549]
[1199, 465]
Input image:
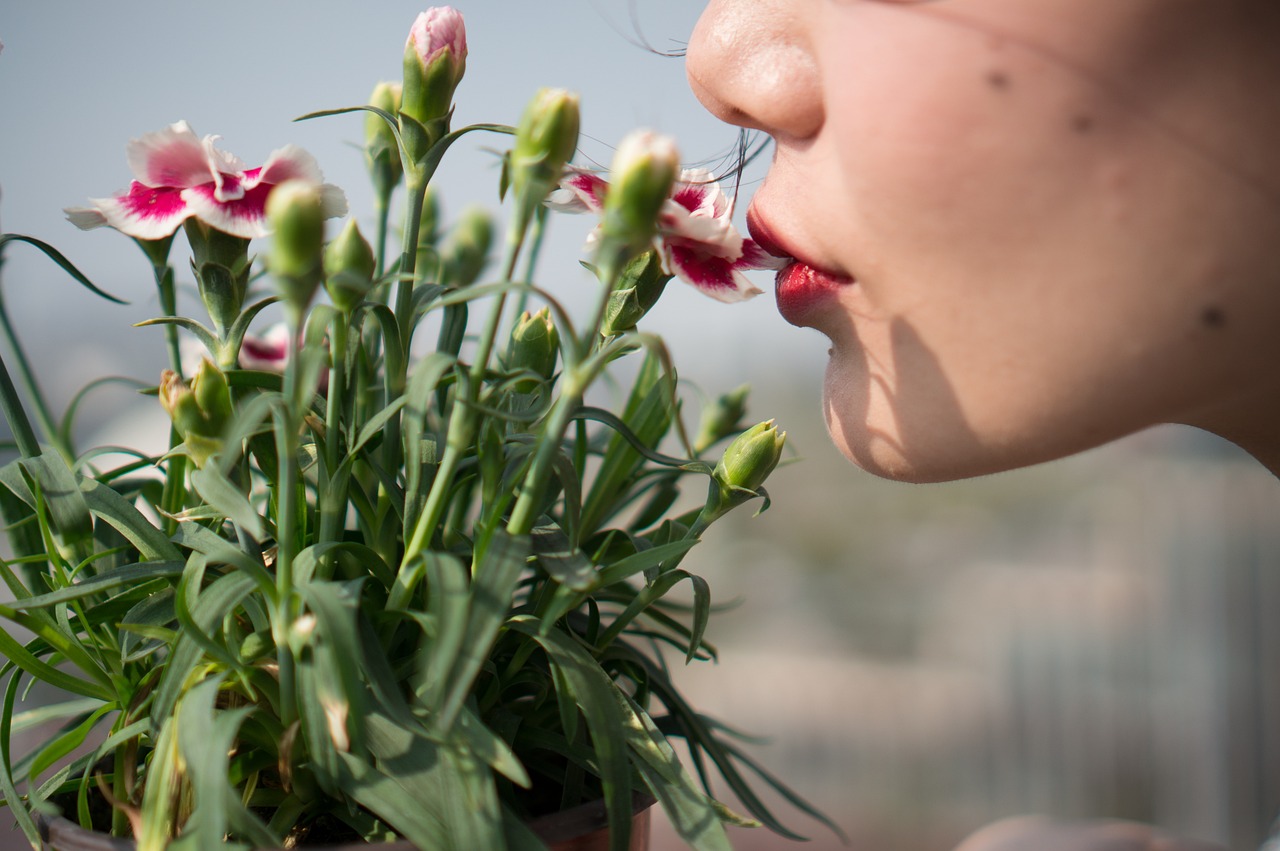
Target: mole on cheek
[998, 79]
[1213, 317]
[1082, 124]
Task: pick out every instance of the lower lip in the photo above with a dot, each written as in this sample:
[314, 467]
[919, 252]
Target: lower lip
[802, 291]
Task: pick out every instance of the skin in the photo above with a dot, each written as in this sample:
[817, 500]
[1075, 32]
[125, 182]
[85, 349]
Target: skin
[1061, 219]
[1035, 226]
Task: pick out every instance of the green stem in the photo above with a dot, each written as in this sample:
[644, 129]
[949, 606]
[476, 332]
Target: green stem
[462, 418]
[169, 307]
[286, 528]
[333, 496]
[383, 212]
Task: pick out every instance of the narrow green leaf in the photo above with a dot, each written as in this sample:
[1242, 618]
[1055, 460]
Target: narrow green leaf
[68, 512]
[110, 580]
[215, 603]
[449, 603]
[57, 257]
[27, 661]
[68, 741]
[218, 550]
[53, 712]
[150, 542]
[388, 800]
[206, 736]
[629, 566]
[492, 588]
[219, 492]
[598, 698]
[561, 560]
[8, 789]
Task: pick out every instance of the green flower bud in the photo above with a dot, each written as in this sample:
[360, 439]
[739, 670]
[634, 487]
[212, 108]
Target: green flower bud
[644, 170]
[220, 263]
[435, 58]
[534, 346]
[720, 418]
[639, 287]
[546, 139]
[746, 463]
[295, 213]
[467, 251]
[201, 411]
[381, 151]
[349, 265]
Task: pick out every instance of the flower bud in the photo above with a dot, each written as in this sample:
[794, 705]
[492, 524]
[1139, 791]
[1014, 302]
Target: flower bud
[639, 287]
[746, 463]
[644, 170]
[546, 139]
[435, 57]
[200, 411]
[467, 251]
[428, 228]
[720, 418]
[221, 265]
[534, 345]
[295, 212]
[349, 265]
[381, 151]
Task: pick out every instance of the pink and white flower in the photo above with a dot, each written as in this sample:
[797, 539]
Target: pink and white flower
[180, 176]
[267, 352]
[696, 237]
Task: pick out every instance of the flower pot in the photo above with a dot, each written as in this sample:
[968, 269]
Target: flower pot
[582, 828]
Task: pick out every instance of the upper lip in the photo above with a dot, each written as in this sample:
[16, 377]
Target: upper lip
[764, 236]
[773, 243]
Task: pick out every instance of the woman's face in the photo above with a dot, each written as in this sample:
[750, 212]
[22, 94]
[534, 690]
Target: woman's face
[1027, 226]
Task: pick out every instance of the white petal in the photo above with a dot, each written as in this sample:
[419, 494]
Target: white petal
[287, 163]
[85, 218]
[169, 157]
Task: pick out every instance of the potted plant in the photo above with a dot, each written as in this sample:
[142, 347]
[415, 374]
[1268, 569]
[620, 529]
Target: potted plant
[374, 589]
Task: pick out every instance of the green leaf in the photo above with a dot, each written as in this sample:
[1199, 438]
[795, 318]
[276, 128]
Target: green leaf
[218, 550]
[219, 492]
[107, 581]
[150, 542]
[150, 618]
[597, 695]
[65, 743]
[29, 662]
[563, 562]
[390, 801]
[448, 603]
[492, 588]
[57, 257]
[68, 513]
[214, 603]
[631, 565]
[206, 736]
[336, 607]
[8, 790]
[53, 712]
[206, 337]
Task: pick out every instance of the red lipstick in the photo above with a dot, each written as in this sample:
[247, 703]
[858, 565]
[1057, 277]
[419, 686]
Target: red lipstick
[801, 289]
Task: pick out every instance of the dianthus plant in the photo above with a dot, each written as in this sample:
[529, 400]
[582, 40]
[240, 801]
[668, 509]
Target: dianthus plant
[378, 585]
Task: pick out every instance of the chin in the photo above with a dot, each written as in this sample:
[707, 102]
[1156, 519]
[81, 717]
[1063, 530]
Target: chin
[919, 443]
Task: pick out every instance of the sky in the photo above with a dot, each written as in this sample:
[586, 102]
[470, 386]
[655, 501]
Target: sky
[79, 79]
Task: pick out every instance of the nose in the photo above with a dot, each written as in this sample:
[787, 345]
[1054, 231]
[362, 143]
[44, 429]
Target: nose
[752, 64]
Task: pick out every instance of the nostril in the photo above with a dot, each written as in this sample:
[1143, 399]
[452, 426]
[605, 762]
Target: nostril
[748, 62]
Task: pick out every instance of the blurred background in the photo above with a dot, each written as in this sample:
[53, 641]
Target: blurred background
[1094, 637]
